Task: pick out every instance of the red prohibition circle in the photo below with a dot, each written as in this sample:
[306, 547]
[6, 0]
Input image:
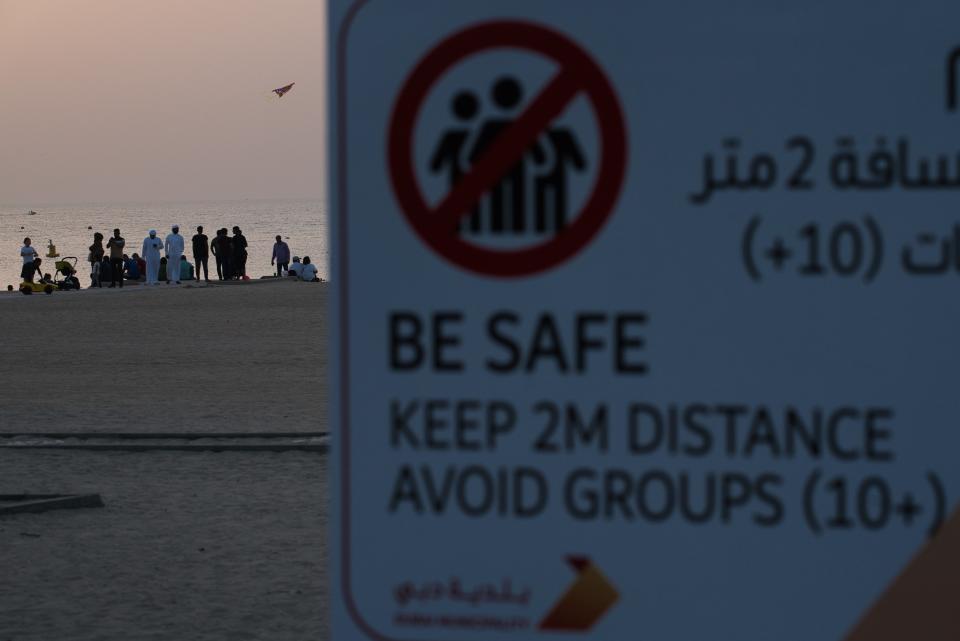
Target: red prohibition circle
[578, 74]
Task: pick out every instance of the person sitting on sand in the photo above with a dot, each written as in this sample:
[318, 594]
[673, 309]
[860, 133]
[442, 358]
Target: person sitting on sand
[295, 267]
[186, 269]
[131, 268]
[142, 264]
[162, 275]
[106, 268]
[309, 271]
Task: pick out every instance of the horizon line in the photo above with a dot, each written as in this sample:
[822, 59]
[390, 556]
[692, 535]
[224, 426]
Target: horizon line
[177, 201]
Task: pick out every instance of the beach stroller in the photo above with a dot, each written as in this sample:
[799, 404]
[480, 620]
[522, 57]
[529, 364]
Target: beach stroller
[65, 277]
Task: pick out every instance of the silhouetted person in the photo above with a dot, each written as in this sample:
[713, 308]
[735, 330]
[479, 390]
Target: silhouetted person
[239, 253]
[29, 254]
[115, 245]
[96, 249]
[30, 269]
[507, 198]
[223, 250]
[552, 186]
[215, 250]
[281, 256]
[131, 268]
[95, 274]
[201, 253]
[450, 152]
[106, 268]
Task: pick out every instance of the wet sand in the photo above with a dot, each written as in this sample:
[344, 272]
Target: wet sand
[190, 545]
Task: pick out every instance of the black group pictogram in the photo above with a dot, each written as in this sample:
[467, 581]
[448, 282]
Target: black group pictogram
[506, 207]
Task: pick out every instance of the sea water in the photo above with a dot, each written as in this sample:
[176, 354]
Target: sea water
[301, 223]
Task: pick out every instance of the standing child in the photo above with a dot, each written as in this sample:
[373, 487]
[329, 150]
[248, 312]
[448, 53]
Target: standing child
[96, 249]
[95, 274]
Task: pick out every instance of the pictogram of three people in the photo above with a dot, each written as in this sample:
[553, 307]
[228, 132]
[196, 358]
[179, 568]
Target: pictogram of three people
[503, 208]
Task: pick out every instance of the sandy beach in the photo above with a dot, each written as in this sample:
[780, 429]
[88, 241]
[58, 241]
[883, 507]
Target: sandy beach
[224, 357]
[189, 545]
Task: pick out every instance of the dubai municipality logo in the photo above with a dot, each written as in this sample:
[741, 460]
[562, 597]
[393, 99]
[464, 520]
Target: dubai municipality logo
[586, 600]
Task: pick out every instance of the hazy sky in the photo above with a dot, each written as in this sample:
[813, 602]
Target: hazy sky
[146, 100]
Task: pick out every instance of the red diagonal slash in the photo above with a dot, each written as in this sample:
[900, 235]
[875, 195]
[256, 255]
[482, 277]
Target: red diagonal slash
[578, 74]
[507, 150]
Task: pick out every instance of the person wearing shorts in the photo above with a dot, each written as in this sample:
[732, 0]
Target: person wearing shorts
[28, 254]
[115, 245]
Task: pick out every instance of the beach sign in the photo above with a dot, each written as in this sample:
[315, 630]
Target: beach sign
[644, 320]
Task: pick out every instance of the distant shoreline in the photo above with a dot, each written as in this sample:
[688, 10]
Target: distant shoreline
[40, 206]
[141, 286]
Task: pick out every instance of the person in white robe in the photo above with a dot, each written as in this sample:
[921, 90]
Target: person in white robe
[151, 254]
[173, 247]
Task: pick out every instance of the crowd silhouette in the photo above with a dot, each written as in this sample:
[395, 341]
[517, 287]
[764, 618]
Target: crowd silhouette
[161, 259]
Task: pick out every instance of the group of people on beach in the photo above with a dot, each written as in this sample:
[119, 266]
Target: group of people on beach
[164, 260]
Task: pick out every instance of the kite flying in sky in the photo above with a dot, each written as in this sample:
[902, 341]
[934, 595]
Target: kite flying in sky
[283, 90]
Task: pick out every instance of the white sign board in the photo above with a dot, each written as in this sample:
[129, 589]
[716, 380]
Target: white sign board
[645, 320]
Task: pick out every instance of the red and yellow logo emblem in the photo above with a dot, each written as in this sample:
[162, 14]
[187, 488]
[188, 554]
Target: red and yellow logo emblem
[586, 600]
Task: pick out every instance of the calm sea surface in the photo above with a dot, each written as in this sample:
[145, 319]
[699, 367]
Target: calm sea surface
[302, 223]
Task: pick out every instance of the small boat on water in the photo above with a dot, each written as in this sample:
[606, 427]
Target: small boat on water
[31, 213]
